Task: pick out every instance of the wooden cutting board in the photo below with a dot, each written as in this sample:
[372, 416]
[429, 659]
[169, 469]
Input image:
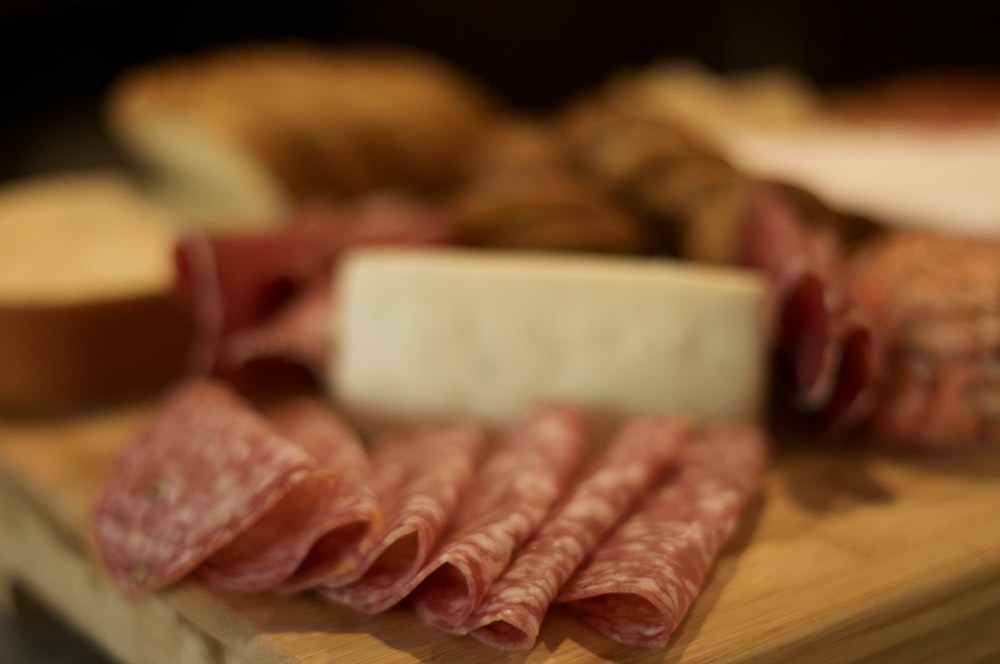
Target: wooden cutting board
[848, 555]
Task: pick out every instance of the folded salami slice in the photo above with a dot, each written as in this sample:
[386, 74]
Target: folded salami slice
[420, 474]
[639, 584]
[511, 614]
[205, 467]
[335, 501]
[517, 485]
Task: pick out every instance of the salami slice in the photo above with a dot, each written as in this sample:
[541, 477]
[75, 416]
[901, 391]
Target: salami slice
[511, 614]
[639, 584]
[334, 501]
[534, 462]
[420, 474]
[205, 467]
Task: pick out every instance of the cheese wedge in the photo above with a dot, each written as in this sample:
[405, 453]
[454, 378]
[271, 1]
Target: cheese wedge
[485, 333]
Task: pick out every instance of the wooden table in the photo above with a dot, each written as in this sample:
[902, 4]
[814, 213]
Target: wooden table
[848, 555]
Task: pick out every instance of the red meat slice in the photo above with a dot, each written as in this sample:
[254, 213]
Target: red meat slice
[511, 614]
[516, 487]
[640, 583]
[239, 280]
[205, 467]
[300, 332]
[816, 320]
[336, 500]
[420, 475]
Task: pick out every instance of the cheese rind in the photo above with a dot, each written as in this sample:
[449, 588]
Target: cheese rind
[484, 334]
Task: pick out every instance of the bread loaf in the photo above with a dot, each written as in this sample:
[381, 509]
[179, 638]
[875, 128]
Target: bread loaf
[484, 333]
[85, 315]
[238, 135]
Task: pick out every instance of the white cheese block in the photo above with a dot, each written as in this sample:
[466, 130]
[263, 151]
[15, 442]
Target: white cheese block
[484, 334]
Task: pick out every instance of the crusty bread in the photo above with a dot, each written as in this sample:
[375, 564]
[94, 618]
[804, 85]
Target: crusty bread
[85, 315]
[485, 333]
[238, 135]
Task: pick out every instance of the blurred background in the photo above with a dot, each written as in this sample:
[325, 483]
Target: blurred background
[57, 56]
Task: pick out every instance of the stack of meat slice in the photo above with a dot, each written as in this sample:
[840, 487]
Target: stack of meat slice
[482, 531]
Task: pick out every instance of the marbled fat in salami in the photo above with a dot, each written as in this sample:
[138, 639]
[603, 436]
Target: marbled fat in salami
[511, 614]
[334, 501]
[420, 474]
[204, 468]
[534, 462]
[639, 584]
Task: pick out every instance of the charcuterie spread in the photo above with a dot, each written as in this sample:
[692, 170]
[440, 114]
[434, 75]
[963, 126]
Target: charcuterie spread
[443, 356]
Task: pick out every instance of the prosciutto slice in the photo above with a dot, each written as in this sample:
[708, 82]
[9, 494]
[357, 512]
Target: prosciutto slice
[204, 468]
[639, 584]
[335, 501]
[420, 475]
[511, 613]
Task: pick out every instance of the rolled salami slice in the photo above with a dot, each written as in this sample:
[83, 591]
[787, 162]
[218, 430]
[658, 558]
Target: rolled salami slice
[511, 613]
[516, 487]
[205, 467]
[334, 501]
[639, 584]
[420, 474]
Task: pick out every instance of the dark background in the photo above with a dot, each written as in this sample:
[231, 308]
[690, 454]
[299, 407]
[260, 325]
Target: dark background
[57, 56]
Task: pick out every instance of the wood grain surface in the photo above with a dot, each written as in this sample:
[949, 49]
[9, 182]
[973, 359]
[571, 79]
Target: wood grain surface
[848, 554]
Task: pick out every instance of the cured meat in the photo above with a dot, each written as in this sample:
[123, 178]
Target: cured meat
[420, 474]
[300, 332]
[511, 613]
[938, 299]
[335, 501]
[517, 485]
[825, 338]
[639, 584]
[204, 468]
[239, 280]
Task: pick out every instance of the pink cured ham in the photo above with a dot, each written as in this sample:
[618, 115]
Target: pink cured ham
[334, 501]
[639, 584]
[517, 485]
[239, 280]
[510, 615]
[204, 468]
[420, 474]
